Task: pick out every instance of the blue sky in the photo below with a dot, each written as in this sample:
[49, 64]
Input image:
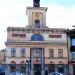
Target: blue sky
[65, 3]
[60, 14]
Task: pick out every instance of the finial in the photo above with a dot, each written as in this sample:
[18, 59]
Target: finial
[36, 3]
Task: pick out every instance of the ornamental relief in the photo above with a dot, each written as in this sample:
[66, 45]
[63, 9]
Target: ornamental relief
[37, 15]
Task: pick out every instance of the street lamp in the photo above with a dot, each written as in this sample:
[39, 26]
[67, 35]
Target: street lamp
[28, 61]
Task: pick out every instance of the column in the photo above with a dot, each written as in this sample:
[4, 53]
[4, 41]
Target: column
[42, 62]
[31, 63]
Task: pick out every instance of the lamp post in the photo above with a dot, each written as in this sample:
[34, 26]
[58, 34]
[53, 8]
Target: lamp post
[28, 61]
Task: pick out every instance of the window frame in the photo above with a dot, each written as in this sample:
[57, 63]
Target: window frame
[51, 67]
[23, 68]
[13, 52]
[37, 53]
[60, 53]
[51, 53]
[61, 67]
[22, 52]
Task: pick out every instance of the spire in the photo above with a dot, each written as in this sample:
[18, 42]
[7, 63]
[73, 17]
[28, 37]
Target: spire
[36, 3]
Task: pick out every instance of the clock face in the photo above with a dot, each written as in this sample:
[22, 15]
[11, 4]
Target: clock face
[36, 15]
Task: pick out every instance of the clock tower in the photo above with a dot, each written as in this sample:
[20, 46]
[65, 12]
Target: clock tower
[36, 15]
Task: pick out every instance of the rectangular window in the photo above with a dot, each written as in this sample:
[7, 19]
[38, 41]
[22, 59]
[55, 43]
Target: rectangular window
[37, 52]
[60, 53]
[51, 67]
[37, 23]
[13, 52]
[60, 68]
[22, 52]
[51, 53]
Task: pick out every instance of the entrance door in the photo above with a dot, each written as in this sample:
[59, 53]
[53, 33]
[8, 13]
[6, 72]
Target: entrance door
[37, 69]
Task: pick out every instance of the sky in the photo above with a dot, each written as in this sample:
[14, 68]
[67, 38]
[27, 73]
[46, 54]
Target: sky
[60, 14]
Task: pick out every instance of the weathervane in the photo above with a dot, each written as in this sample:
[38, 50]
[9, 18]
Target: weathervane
[36, 3]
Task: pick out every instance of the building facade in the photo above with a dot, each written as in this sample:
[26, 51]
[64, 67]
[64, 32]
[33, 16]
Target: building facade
[37, 49]
[71, 41]
[2, 56]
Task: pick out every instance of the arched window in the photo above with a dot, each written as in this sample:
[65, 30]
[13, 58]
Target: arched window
[60, 67]
[51, 67]
[23, 67]
[37, 37]
[12, 66]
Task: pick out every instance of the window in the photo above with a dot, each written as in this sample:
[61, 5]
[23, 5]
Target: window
[51, 53]
[22, 52]
[23, 68]
[60, 67]
[37, 23]
[37, 53]
[60, 53]
[51, 67]
[12, 66]
[13, 52]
